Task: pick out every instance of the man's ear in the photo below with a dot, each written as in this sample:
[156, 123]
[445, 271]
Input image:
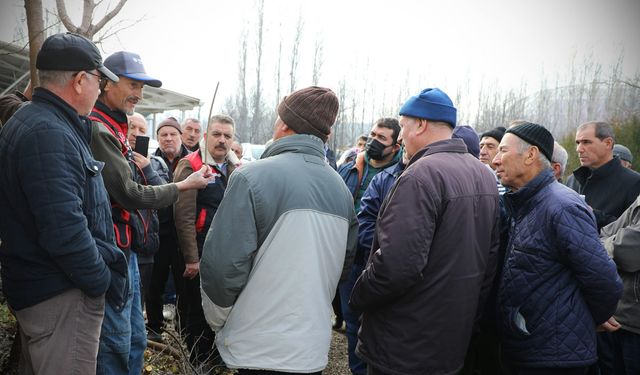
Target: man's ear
[609, 142]
[78, 81]
[422, 126]
[532, 155]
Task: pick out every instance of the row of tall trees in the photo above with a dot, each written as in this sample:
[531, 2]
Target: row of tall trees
[586, 91]
[276, 58]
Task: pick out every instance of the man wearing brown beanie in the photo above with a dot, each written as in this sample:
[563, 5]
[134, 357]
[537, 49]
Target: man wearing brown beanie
[268, 276]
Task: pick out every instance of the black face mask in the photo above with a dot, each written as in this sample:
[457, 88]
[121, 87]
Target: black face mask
[375, 149]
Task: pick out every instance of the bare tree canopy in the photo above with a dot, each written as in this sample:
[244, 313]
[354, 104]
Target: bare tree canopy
[87, 27]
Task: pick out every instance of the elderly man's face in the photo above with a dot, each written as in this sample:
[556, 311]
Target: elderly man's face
[169, 140]
[123, 95]
[219, 140]
[408, 128]
[488, 150]
[592, 151]
[137, 126]
[90, 83]
[237, 149]
[191, 133]
[510, 163]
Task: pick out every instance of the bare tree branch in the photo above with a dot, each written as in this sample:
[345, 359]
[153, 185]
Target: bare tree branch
[64, 17]
[87, 16]
[629, 83]
[109, 16]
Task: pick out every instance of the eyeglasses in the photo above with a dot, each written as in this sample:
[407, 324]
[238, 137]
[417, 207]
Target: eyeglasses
[101, 79]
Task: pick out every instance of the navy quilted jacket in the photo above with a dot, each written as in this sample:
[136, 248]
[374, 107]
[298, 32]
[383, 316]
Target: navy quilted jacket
[56, 218]
[558, 283]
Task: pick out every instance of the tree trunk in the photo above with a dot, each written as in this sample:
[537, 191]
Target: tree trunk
[35, 25]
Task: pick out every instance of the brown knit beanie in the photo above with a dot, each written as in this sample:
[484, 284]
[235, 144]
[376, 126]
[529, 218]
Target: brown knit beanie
[311, 110]
[169, 121]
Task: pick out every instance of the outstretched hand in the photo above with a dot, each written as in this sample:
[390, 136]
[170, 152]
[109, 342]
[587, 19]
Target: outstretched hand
[196, 180]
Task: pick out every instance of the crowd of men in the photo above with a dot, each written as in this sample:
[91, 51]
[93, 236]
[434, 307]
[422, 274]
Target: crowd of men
[444, 251]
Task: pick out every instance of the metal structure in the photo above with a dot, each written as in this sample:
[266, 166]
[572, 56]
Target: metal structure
[14, 75]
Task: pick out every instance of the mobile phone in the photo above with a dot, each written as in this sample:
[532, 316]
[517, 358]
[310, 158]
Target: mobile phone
[142, 145]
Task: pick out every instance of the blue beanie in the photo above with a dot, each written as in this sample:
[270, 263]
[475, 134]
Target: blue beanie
[431, 104]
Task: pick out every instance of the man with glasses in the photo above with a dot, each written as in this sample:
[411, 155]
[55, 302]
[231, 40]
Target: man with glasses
[58, 254]
[380, 152]
[123, 337]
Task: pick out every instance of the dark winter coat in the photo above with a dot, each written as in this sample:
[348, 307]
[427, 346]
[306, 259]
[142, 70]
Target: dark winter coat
[609, 190]
[432, 261]
[56, 218]
[558, 283]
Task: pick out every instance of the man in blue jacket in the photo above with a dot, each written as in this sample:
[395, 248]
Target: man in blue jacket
[381, 152]
[558, 284]
[58, 253]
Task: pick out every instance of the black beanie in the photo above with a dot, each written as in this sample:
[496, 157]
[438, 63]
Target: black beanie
[536, 135]
[495, 133]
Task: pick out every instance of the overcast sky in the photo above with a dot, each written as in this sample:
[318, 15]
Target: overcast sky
[190, 45]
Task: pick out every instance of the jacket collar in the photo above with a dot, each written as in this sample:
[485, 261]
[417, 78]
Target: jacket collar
[520, 197]
[117, 115]
[297, 143]
[182, 153]
[446, 145]
[80, 123]
[611, 168]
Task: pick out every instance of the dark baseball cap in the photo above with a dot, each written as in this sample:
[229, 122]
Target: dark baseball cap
[71, 52]
[129, 65]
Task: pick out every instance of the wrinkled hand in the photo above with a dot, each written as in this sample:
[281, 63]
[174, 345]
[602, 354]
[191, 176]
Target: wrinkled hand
[191, 270]
[140, 160]
[610, 325]
[196, 180]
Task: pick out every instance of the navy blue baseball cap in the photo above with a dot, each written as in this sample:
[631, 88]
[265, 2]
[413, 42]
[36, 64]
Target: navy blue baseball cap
[71, 52]
[129, 64]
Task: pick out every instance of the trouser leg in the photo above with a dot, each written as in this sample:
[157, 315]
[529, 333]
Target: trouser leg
[60, 335]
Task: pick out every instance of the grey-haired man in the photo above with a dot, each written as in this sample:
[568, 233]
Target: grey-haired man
[58, 254]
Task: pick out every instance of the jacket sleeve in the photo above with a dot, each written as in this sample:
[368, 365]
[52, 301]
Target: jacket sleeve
[161, 169]
[622, 239]
[492, 263]
[184, 215]
[154, 174]
[352, 245]
[368, 215]
[117, 175]
[228, 252]
[53, 175]
[405, 231]
[581, 250]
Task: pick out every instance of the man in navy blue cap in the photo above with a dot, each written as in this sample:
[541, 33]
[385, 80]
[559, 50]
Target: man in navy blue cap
[433, 252]
[59, 258]
[123, 338]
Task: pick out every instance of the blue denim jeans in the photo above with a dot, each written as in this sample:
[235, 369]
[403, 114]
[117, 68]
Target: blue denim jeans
[352, 320]
[123, 337]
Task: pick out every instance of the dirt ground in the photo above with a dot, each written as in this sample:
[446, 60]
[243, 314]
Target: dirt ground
[160, 364]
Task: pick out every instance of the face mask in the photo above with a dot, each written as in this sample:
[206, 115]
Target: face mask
[375, 149]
